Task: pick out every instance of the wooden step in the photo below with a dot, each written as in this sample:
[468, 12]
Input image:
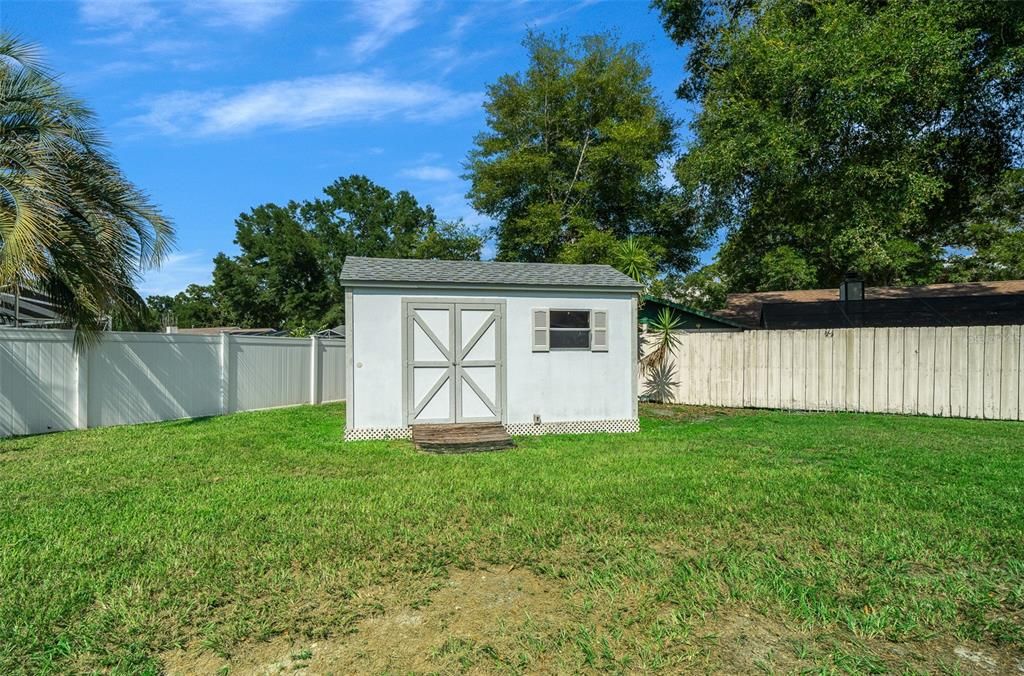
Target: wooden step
[461, 437]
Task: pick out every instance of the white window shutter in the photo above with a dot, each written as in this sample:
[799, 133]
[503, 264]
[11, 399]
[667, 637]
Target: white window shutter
[599, 330]
[541, 323]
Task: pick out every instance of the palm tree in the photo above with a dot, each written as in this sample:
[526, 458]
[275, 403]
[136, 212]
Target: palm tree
[71, 225]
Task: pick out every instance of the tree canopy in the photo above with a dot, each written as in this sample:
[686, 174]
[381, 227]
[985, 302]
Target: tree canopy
[288, 271]
[71, 225]
[196, 306]
[879, 137]
[570, 164]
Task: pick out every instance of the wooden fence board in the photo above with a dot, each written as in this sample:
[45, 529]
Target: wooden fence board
[796, 396]
[927, 369]
[911, 360]
[975, 375]
[942, 373]
[894, 371]
[749, 373]
[774, 369]
[992, 365]
[865, 375]
[1009, 374]
[812, 401]
[826, 341]
[958, 359]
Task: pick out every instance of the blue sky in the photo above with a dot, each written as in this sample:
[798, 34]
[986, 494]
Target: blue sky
[215, 106]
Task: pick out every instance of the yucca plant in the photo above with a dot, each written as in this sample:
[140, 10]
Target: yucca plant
[660, 340]
[658, 343]
[632, 258]
[71, 225]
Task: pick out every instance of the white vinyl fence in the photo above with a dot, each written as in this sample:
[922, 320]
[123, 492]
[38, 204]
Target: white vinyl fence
[969, 372]
[143, 377]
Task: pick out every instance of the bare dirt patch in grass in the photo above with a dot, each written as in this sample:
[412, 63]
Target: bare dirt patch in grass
[740, 640]
[686, 413]
[497, 619]
[946, 654]
[483, 619]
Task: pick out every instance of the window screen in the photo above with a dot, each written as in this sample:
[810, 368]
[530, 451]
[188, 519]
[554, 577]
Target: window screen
[570, 329]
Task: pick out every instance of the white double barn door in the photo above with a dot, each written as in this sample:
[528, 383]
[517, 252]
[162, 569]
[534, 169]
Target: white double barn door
[454, 369]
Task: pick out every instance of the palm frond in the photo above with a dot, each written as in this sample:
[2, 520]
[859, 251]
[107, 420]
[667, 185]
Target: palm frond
[71, 224]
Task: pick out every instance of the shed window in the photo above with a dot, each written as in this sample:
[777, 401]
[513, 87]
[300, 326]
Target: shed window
[570, 329]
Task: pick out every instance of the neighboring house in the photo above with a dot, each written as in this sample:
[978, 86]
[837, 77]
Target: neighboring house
[232, 330]
[535, 347]
[689, 318]
[335, 332]
[967, 304]
[27, 308]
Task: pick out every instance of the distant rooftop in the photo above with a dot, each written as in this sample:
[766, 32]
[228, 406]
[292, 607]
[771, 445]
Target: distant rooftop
[359, 270]
[745, 308]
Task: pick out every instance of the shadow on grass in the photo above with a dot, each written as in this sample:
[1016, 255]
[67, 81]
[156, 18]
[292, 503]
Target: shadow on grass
[190, 422]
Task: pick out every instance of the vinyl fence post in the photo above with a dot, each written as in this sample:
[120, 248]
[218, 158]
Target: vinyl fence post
[314, 370]
[82, 388]
[225, 367]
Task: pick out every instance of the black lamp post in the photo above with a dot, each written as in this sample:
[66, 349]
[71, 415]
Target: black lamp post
[852, 287]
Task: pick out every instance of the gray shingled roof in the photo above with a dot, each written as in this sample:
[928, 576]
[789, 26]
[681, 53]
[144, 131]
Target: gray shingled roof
[358, 270]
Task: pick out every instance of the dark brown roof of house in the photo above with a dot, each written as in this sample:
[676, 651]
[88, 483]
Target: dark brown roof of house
[745, 308]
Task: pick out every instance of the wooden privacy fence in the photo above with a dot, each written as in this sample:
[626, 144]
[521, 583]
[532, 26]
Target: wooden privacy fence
[144, 377]
[970, 372]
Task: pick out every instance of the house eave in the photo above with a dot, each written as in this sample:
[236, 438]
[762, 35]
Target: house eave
[694, 311]
[463, 286]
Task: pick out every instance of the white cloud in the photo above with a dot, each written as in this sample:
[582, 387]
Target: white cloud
[451, 204]
[248, 14]
[559, 15]
[304, 102]
[386, 19]
[178, 271]
[429, 173]
[462, 22]
[131, 14]
[116, 39]
[449, 58]
[172, 113]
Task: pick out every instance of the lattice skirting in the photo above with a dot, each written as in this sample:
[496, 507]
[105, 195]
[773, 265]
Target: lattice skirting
[515, 429]
[574, 427]
[378, 433]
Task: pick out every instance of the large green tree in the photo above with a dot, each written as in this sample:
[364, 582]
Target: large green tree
[852, 134]
[71, 225]
[196, 306]
[569, 166]
[288, 271]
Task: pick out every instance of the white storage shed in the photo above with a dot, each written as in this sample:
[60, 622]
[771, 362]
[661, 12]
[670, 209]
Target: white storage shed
[540, 348]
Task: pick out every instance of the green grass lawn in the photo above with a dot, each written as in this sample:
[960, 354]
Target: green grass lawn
[757, 541]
